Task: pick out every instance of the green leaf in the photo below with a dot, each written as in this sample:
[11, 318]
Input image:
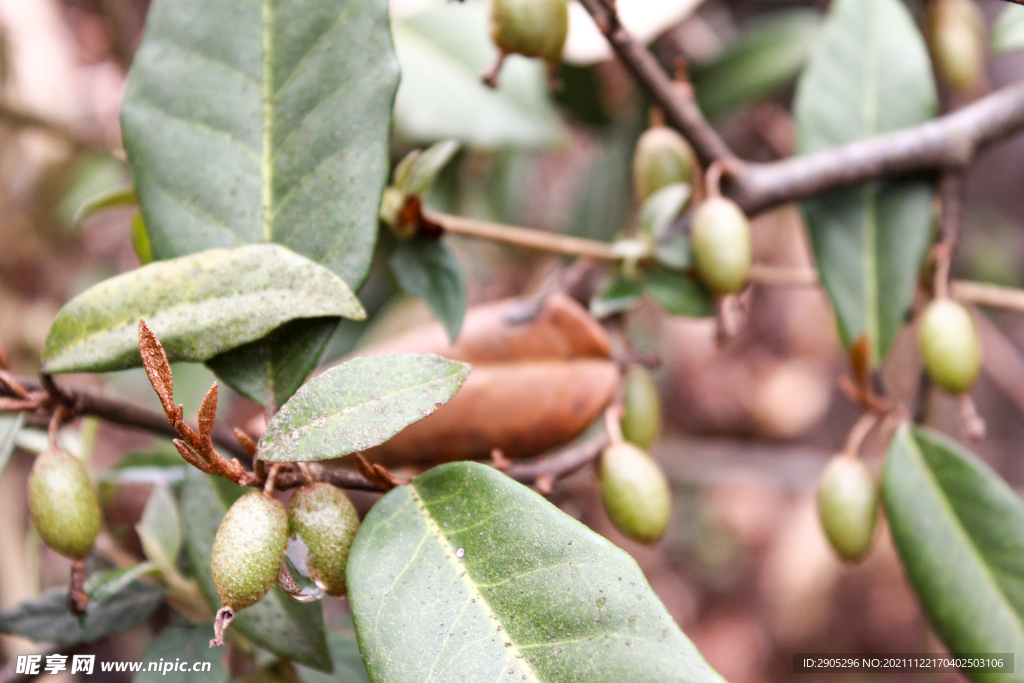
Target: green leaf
[269, 371]
[766, 56]
[10, 425]
[443, 50]
[103, 584]
[959, 530]
[348, 664]
[418, 170]
[47, 618]
[185, 645]
[1008, 31]
[114, 197]
[678, 294]
[159, 529]
[620, 294]
[427, 269]
[464, 574]
[140, 240]
[661, 208]
[198, 306]
[289, 629]
[358, 405]
[869, 75]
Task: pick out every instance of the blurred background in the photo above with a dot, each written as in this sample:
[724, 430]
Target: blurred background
[744, 568]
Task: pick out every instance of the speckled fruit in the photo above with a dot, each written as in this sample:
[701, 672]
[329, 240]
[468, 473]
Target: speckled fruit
[635, 492]
[950, 346]
[722, 250]
[641, 421]
[848, 506]
[325, 520]
[63, 505]
[248, 549]
[662, 157]
[534, 28]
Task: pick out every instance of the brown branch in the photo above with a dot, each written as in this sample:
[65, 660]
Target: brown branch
[17, 118]
[561, 463]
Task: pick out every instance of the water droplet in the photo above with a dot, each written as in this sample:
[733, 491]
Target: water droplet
[460, 552]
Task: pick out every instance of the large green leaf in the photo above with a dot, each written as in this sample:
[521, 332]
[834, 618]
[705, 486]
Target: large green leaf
[427, 269]
[358, 405]
[869, 74]
[197, 305]
[443, 50]
[264, 121]
[466, 575]
[277, 623]
[765, 57]
[159, 529]
[959, 529]
[188, 643]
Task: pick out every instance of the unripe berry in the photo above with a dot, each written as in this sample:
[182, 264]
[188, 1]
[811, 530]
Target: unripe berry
[641, 421]
[248, 549]
[848, 506]
[533, 28]
[635, 492]
[662, 157]
[958, 45]
[325, 520]
[950, 346]
[63, 505]
[722, 249]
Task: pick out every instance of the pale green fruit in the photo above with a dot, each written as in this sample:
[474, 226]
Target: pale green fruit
[950, 346]
[325, 520]
[721, 243]
[248, 549]
[641, 421]
[63, 505]
[662, 157]
[635, 492]
[958, 44]
[848, 506]
[534, 28]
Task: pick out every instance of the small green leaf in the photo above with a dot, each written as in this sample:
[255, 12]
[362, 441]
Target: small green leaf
[121, 195]
[1008, 31]
[678, 294]
[443, 50]
[427, 269]
[103, 584]
[10, 425]
[620, 294]
[358, 405]
[47, 619]
[270, 370]
[182, 647]
[277, 623]
[870, 74]
[418, 170]
[766, 56]
[198, 306]
[471, 575]
[661, 208]
[159, 529]
[140, 240]
[959, 530]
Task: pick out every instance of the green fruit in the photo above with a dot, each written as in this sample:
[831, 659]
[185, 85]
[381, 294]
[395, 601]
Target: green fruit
[722, 249]
[635, 492]
[641, 421]
[325, 520]
[662, 157]
[63, 505]
[958, 45]
[950, 346]
[534, 28]
[248, 549]
[848, 506]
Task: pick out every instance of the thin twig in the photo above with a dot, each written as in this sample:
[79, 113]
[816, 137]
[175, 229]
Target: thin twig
[987, 295]
[22, 119]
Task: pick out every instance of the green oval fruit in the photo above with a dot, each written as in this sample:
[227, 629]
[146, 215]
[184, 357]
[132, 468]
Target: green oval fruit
[635, 492]
[848, 506]
[950, 346]
[958, 45]
[534, 28]
[248, 549]
[641, 420]
[325, 520]
[722, 249]
[63, 505]
[662, 157]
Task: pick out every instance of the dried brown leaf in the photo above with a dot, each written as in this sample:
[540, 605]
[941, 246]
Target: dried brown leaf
[192, 457]
[207, 413]
[246, 442]
[158, 369]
